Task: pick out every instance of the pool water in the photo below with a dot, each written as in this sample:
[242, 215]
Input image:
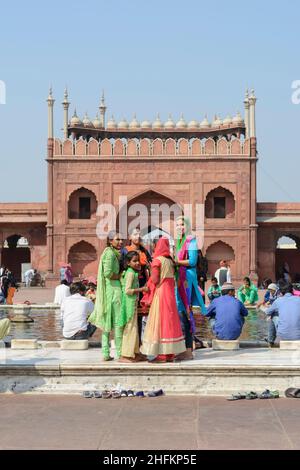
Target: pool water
[47, 326]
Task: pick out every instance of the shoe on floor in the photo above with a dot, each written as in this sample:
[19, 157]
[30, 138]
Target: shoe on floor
[292, 392]
[155, 393]
[87, 394]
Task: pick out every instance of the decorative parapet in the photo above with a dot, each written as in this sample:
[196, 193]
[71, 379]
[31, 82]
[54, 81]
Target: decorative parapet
[152, 147]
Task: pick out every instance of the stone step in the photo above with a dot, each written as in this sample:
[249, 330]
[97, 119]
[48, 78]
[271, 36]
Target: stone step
[24, 344]
[76, 345]
[290, 345]
[221, 345]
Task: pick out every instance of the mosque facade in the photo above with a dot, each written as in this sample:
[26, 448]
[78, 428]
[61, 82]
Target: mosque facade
[100, 163]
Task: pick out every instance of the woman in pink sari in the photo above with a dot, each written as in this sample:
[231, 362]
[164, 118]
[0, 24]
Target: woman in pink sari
[163, 337]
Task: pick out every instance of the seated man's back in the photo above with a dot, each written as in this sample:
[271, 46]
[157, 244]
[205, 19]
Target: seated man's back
[61, 292]
[74, 312]
[288, 308]
[229, 315]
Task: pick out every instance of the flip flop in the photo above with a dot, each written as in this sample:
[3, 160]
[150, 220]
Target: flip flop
[238, 396]
[155, 393]
[269, 394]
[106, 394]
[292, 392]
[116, 394]
[87, 394]
[251, 396]
[108, 358]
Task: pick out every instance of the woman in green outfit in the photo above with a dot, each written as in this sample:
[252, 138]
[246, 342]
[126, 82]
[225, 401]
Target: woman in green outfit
[247, 293]
[107, 312]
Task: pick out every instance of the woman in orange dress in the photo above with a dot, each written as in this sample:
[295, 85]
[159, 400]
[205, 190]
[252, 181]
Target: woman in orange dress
[163, 337]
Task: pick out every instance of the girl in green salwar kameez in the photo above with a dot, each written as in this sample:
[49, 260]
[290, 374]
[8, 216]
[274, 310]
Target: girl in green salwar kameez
[107, 312]
[129, 312]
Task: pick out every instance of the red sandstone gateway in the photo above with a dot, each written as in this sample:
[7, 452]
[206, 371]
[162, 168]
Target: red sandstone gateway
[95, 163]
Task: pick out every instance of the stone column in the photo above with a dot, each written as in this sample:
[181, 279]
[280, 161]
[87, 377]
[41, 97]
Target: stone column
[66, 105]
[252, 102]
[50, 206]
[247, 114]
[253, 225]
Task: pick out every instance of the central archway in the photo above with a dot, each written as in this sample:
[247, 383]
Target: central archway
[149, 211]
[288, 253]
[15, 253]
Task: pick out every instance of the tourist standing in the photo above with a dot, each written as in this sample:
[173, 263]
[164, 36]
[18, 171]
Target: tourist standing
[223, 274]
[163, 337]
[107, 310]
[68, 274]
[61, 292]
[29, 275]
[145, 260]
[129, 310]
[202, 269]
[187, 291]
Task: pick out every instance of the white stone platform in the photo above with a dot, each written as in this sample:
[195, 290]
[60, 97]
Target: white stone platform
[211, 373]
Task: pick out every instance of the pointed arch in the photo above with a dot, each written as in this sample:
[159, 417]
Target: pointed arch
[220, 203]
[106, 147]
[145, 147]
[210, 147]
[132, 147]
[83, 258]
[217, 251]
[196, 147]
[158, 148]
[183, 147]
[82, 204]
[119, 148]
[222, 146]
[68, 147]
[170, 147]
[80, 147]
[93, 147]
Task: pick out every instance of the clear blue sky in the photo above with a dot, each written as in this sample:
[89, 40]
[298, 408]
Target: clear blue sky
[164, 56]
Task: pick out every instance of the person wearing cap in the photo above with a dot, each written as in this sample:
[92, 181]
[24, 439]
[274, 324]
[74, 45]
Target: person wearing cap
[270, 295]
[227, 314]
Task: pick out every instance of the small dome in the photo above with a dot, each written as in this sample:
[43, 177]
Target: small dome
[181, 124]
[193, 124]
[97, 122]
[123, 124]
[157, 124]
[134, 123]
[86, 121]
[238, 120]
[146, 124]
[227, 121]
[75, 121]
[111, 124]
[169, 124]
[217, 122]
[204, 124]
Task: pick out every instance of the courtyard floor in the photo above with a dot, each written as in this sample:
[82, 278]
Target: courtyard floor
[60, 422]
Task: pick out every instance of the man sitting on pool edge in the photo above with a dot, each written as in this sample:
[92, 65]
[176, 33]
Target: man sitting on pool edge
[227, 314]
[75, 311]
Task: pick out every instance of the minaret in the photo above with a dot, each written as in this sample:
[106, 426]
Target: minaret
[66, 105]
[252, 101]
[247, 115]
[102, 109]
[50, 101]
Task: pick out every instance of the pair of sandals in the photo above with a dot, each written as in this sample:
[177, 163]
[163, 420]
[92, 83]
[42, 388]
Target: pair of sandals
[267, 394]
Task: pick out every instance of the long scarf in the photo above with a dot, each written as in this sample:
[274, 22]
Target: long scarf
[100, 316]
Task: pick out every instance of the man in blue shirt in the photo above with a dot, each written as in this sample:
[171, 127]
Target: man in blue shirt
[227, 314]
[285, 314]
